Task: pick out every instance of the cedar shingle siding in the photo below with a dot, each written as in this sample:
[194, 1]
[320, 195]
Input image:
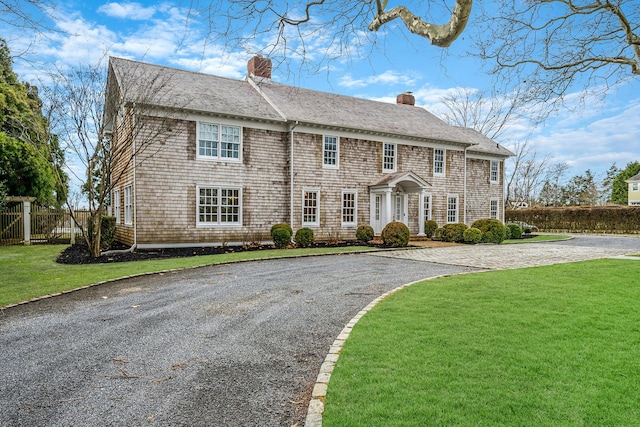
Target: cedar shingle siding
[166, 176]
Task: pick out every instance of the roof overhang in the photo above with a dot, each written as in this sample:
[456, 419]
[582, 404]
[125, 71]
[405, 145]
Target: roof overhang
[410, 182]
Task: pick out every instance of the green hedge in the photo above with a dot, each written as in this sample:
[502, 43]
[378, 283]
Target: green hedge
[580, 219]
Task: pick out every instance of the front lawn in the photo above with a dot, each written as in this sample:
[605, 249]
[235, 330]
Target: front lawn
[31, 271]
[539, 238]
[544, 346]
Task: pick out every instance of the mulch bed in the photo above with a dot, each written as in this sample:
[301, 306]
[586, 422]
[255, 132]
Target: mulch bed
[79, 253]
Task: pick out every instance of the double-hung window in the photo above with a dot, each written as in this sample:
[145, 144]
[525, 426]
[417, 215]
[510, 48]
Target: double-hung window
[128, 205]
[219, 142]
[331, 152]
[311, 207]
[494, 171]
[427, 207]
[116, 205]
[219, 206]
[452, 209]
[634, 186]
[349, 208]
[389, 157]
[439, 156]
[493, 209]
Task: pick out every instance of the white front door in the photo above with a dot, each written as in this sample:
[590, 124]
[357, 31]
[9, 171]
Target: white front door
[399, 208]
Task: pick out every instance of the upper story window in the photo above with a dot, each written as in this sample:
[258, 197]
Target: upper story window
[634, 186]
[330, 152]
[219, 206]
[219, 142]
[389, 157]
[116, 205]
[439, 161]
[494, 171]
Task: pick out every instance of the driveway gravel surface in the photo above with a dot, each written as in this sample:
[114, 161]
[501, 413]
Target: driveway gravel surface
[229, 345]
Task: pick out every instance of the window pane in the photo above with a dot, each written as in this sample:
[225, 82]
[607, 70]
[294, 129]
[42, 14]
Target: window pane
[310, 208]
[452, 209]
[330, 151]
[349, 208]
[388, 157]
[230, 137]
[208, 143]
[438, 161]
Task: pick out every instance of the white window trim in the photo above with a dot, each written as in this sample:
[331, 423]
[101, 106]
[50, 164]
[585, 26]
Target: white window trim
[128, 208]
[634, 186]
[219, 158]
[497, 208]
[116, 205]
[219, 224]
[449, 196]
[315, 223]
[395, 157]
[444, 162]
[497, 163]
[429, 210]
[355, 208]
[337, 165]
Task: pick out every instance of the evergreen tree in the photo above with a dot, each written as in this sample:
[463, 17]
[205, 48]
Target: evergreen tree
[620, 188]
[31, 157]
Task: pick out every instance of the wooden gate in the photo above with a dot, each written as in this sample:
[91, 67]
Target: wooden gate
[12, 224]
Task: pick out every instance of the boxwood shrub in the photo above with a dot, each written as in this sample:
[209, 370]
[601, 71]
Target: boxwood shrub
[430, 227]
[303, 237]
[364, 233]
[493, 231]
[453, 232]
[472, 235]
[281, 235]
[282, 225]
[395, 234]
[516, 231]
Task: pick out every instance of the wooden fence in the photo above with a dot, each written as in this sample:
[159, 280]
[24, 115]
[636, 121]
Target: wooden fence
[45, 225]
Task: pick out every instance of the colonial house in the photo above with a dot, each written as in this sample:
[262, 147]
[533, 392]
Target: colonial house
[634, 190]
[222, 160]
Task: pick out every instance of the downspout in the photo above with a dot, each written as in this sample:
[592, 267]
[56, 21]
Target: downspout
[291, 174]
[135, 190]
[464, 185]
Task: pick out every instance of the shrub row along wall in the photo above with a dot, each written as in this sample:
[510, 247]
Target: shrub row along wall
[598, 219]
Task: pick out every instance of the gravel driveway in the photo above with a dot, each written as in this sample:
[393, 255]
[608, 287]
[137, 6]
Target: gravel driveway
[231, 345]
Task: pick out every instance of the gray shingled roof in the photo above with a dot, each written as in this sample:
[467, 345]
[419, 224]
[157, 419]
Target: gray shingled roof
[635, 177]
[263, 99]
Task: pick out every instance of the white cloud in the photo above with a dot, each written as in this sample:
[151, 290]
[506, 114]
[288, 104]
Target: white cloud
[389, 77]
[127, 10]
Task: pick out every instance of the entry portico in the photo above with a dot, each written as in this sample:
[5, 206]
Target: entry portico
[389, 199]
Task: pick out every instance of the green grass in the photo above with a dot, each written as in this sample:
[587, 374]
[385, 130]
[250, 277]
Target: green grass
[539, 238]
[545, 346]
[31, 271]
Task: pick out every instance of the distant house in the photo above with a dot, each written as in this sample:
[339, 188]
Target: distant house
[242, 155]
[634, 191]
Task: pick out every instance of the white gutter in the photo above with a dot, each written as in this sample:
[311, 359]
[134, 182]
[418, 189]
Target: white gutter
[464, 185]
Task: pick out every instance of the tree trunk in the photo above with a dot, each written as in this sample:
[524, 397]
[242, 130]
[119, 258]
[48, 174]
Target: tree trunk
[94, 234]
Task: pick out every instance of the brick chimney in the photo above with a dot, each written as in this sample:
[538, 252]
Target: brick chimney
[406, 98]
[259, 66]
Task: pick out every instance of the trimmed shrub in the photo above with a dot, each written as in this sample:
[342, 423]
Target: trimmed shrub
[493, 231]
[395, 235]
[516, 231]
[281, 237]
[527, 230]
[507, 233]
[282, 225]
[107, 230]
[453, 232]
[303, 237]
[364, 233]
[437, 235]
[472, 235]
[430, 227]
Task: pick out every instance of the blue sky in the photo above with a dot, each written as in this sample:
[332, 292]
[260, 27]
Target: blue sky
[379, 67]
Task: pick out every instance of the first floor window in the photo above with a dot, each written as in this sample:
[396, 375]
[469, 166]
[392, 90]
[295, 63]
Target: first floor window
[128, 205]
[452, 209]
[427, 207]
[494, 171]
[219, 206]
[438, 161]
[388, 157]
[493, 209]
[311, 207]
[330, 152]
[349, 208]
[116, 205]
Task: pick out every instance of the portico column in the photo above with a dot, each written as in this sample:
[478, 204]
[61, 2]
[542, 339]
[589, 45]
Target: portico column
[387, 194]
[421, 214]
